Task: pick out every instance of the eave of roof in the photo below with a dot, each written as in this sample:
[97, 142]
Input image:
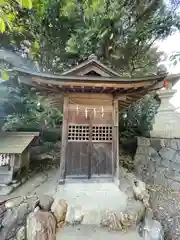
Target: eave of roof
[46, 77]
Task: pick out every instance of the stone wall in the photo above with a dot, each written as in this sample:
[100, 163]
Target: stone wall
[157, 161]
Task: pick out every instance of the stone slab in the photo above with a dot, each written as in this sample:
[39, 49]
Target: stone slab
[89, 232]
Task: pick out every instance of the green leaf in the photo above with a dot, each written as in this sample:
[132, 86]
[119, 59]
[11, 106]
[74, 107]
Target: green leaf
[25, 3]
[2, 25]
[2, 2]
[4, 75]
[10, 17]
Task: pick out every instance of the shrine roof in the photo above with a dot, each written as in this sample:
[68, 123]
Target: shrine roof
[15, 142]
[63, 78]
[92, 76]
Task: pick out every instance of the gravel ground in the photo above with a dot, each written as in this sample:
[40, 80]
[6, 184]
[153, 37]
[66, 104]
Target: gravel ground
[166, 207]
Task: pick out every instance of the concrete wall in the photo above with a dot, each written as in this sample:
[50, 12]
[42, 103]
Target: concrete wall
[157, 161]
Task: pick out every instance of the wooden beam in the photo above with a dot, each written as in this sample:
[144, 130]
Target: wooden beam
[123, 104]
[64, 141]
[115, 162]
[102, 90]
[120, 97]
[95, 84]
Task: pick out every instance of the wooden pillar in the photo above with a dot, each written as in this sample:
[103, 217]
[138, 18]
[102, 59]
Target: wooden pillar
[64, 139]
[116, 140]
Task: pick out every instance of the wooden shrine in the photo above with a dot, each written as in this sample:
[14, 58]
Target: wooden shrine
[14, 154]
[92, 96]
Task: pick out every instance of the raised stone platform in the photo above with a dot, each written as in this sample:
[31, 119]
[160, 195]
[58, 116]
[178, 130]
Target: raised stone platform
[94, 199]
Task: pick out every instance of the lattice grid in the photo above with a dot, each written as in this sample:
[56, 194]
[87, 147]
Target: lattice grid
[78, 133]
[82, 133]
[102, 133]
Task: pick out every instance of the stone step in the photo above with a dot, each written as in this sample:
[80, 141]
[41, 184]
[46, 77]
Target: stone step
[92, 200]
[90, 232]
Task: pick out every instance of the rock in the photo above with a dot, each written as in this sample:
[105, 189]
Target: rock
[41, 226]
[24, 179]
[16, 185]
[152, 229]
[45, 202]
[140, 192]
[9, 204]
[167, 153]
[6, 190]
[74, 215]
[129, 219]
[135, 212]
[22, 212]
[21, 234]
[37, 209]
[111, 220]
[59, 209]
[44, 156]
[10, 224]
[33, 202]
[14, 181]
[14, 202]
[10, 218]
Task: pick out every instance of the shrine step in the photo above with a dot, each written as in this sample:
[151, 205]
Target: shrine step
[93, 198]
[89, 232]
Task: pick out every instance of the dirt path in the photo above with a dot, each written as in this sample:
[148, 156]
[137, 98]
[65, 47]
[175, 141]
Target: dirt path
[44, 182]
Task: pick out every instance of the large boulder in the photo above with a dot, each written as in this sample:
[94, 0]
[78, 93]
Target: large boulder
[41, 226]
[13, 219]
[45, 202]
[140, 192]
[59, 209]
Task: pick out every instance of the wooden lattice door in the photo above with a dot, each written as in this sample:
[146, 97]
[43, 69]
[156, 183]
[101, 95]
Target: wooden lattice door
[101, 153]
[89, 147]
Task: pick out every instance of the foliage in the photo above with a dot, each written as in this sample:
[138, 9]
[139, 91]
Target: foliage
[58, 34]
[7, 11]
[27, 110]
[175, 58]
[138, 119]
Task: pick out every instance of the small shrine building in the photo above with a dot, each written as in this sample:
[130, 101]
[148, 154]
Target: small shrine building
[92, 96]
